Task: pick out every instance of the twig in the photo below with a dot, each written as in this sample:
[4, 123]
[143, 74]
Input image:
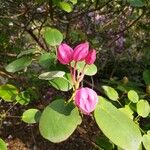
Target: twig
[33, 136]
[11, 107]
[132, 23]
[30, 32]
[8, 54]
[51, 9]
[7, 75]
[12, 17]
[92, 10]
[83, 131]
[125, 29]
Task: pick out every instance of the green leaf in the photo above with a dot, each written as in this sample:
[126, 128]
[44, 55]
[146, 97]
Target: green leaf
[62, 84]
[74, 1]
[111, 93]
[143, 108]
[133, 96]
[90, 70]
[23, 98]
[27, 52]
[136, 3]
[121, 130]
[65, 6]
[146, 140]
[104, 143]
[8, 92]
[53, 36]
[31, 116]
[51, 75]
[2, 145]
[146, 76]
[127, 111]
[58, 121]
[18, 64]
[47, 60]
[56, 2]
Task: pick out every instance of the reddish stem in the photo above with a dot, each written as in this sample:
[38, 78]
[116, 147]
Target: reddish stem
[71, 72]
[80, 78]
[74, 71]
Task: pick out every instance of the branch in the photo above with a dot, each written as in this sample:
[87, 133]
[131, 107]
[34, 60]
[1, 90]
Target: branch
[8, 54]
[41, 44]
[127, 28]
[92, 10]
[2, 73]
[51, 9]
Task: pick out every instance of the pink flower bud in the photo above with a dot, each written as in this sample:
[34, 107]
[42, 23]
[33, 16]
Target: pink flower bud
[64, 53]
[81, 51]
[86, 100]
[91, 57]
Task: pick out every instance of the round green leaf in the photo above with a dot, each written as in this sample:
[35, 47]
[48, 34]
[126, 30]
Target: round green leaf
[23, 98]
[47, 60]
[53, 36]
[90, 70]
[111, 93]
[120, 129]
[2, 145]
[31, 116]
[65, 6]
[146, 140]
[62, 84]
[143, 108]
[133, 96]
[18, 64]
[8, 92]
[51, 75]
[58, 121]
[146, 76]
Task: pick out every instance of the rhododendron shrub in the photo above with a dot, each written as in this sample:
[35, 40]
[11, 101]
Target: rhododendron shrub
[82, 65]
[61, 117]
[68, 114]
[57, 122]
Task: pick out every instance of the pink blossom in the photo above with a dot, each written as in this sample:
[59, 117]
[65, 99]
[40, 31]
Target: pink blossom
[86, 100]
[64, 53]
[91, 57]
[80, 51]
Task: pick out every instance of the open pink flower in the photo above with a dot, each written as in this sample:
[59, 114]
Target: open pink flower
[81, 51]
[64, 53]
[91, 57]
[86, 100]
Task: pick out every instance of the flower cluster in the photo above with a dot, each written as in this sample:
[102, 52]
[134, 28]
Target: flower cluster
[85, 98]
[81, 52]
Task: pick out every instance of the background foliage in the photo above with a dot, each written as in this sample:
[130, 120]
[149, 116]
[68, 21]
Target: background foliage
[30, 32]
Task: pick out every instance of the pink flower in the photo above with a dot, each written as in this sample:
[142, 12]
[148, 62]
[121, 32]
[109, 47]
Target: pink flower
[86, 100]
[91, 57]
[80, 51]
[64, 53]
